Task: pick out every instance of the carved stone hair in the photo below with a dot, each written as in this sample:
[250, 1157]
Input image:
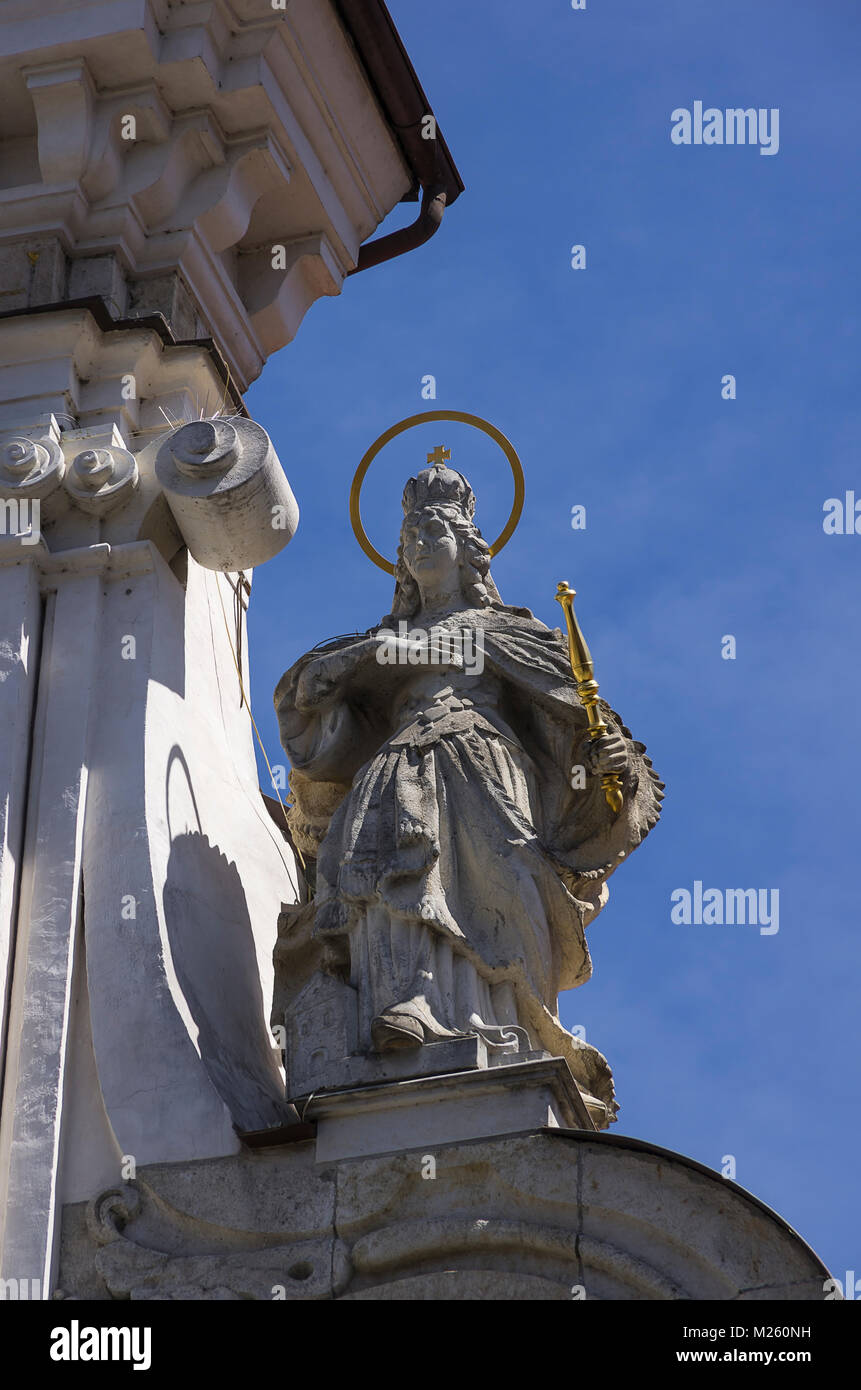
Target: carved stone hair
[444, 493]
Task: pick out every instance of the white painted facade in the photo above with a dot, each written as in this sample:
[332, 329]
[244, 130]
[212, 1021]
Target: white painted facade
[141, 875]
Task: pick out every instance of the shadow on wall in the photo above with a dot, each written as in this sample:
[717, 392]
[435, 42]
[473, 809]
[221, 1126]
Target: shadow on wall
[213, 951]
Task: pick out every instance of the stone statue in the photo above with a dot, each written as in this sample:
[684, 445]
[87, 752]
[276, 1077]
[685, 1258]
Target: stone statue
[444, 782]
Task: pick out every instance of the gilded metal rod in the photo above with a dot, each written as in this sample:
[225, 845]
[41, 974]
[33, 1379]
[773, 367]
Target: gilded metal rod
[587, 688]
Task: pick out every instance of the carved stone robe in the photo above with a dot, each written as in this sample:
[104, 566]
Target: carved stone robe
[460, 866]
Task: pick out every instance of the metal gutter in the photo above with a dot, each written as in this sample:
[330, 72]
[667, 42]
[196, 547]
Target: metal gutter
[405, 106]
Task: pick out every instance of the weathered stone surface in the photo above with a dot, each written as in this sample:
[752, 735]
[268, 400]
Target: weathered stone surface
[550, 1214]
[305, 1271]
[48, 936]
[228, 493]
[479, 1285]
[436, 1059]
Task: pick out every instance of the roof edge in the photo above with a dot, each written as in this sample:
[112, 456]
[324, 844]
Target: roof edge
[400, 94]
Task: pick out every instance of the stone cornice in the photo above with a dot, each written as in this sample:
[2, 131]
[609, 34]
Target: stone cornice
[185, 144]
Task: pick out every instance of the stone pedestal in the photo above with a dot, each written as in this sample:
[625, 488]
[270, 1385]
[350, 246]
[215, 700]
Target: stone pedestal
[443, 1109]
[546, 1214]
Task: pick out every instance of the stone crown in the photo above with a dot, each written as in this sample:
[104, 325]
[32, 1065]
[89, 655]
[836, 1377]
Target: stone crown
[439, 485]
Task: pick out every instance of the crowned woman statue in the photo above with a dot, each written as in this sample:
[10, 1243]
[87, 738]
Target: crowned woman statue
[454, 807]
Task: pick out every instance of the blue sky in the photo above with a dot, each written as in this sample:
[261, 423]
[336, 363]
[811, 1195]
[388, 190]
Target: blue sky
[704, 516]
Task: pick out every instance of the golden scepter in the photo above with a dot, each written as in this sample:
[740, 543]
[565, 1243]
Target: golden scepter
[587, 688]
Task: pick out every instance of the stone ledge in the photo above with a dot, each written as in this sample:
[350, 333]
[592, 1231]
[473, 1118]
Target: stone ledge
[545, 1215]
[461, 1105]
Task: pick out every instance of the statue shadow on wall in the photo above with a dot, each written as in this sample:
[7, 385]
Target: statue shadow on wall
[213, 951]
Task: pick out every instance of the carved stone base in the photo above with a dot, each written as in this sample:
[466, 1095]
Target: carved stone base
[549, 1214]
[434, 1059]
[442, 1109]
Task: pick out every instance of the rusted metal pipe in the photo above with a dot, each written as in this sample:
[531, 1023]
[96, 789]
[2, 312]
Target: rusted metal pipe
[426, 225]
[406, 110]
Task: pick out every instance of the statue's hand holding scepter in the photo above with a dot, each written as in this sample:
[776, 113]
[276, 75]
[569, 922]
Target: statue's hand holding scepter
[611, 758]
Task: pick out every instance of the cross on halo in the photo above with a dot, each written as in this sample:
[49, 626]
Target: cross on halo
[439, 455]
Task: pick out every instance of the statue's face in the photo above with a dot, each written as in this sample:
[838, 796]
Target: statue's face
[431, 549]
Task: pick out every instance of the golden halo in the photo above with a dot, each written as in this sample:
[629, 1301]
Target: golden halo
[425, 417]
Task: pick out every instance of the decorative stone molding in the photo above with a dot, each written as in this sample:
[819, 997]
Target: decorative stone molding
[63, 97]
[125, 399]
[108, 1213]
[178, 173]
[100, 480]
[204, 448]
[307, 269]
[227, 492]
[93, 376]
[548, 1215]
[30, 467]
[306, 1269]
